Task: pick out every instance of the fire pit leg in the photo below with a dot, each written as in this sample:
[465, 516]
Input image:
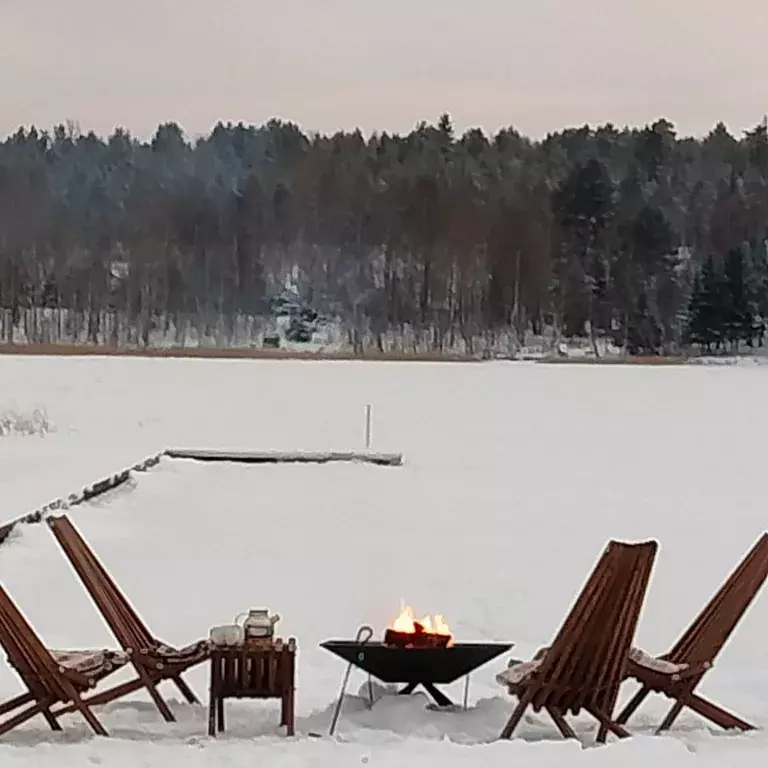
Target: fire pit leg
[364, 634]
[439, 697]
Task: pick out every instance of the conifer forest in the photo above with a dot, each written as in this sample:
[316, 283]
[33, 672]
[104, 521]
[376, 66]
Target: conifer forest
[654, 242]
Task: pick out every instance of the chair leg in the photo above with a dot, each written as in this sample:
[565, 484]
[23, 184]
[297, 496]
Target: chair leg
[607, 725]
[672, 715]
[83, 708]
[602, 734]
[50, 718]
[186, 691]
[562, 724]
[632, 705]
[105, 697]
[108, 696]
[150, 684]
[22, 717]
[160, 703]
[90, 718]
[516, 716]
[717, 715]
[15, 703]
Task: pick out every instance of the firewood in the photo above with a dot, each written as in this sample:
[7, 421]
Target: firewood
[418, 639]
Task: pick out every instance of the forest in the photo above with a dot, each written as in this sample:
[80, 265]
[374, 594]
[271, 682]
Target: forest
[651, 241]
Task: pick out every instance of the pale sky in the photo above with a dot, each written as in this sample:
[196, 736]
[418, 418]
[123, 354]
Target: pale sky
[540, 65]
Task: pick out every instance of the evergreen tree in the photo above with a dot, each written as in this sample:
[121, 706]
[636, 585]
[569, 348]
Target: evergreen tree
[757, 283]
[585, 210]
[647, 243]
[738, 310]
[644, 333]
[453, 239]
[705, 312]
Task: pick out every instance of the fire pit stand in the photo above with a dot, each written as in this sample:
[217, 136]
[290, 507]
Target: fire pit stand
[413, 667]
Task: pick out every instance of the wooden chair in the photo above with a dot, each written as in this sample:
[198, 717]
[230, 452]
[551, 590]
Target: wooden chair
[153, 660]
[587, 662]
[51, 677]
[677, 673]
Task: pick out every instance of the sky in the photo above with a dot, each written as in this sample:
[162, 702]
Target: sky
[538, 65]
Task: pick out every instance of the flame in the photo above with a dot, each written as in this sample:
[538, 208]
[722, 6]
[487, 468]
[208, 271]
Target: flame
[406, 622]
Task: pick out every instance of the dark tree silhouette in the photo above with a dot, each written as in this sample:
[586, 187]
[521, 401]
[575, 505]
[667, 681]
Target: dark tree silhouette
[430, 241]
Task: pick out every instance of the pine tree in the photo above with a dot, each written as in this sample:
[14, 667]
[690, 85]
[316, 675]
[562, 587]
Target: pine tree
[644, 334]
[695, 332]
[738, 310]
[586, 208]
[705, 312]
[757, 284]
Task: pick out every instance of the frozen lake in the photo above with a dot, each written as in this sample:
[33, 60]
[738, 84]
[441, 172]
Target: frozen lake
[516, 475]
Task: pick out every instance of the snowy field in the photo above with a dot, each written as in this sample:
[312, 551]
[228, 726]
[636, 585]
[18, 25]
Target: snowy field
[515, 477]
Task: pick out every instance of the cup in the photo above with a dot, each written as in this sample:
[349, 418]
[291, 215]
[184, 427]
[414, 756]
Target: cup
[227, 635]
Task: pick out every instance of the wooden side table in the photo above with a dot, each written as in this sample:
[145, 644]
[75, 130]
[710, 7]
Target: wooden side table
[253, 671]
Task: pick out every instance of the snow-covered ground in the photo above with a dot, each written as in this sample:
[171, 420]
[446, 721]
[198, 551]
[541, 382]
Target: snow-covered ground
[515, 476]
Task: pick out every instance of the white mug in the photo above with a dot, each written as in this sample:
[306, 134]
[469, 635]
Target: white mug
[227, 635]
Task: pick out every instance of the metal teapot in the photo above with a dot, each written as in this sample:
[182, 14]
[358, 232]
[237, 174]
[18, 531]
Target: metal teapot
[257, 623]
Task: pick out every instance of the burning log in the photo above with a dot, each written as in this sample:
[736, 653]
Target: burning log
[419, 638]
[406, 632]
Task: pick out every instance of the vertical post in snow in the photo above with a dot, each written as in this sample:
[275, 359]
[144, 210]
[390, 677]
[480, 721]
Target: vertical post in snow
[367, 426]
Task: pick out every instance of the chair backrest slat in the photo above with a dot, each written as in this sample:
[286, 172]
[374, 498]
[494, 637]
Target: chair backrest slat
[127, 626]
[26, 652]
[711, 629]
[611, 673]
[586, 662]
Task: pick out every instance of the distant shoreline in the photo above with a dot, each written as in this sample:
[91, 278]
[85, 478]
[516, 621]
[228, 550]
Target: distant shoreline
[223, 353]
[252, 353]
[628, 360]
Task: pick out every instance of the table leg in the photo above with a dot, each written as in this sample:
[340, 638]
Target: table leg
[220, 705]
[284, 709]
[290, 706]
[212, 694]
[212, 716]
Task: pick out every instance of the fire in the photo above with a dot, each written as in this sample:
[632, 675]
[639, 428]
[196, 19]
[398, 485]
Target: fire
[406, 622]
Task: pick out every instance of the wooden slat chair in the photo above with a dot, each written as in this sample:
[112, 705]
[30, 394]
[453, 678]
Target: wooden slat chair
[587, 662]
[154, 660]
[51, 677]
[677, 673]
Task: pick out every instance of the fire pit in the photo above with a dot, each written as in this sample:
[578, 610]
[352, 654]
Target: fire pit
[415, 653]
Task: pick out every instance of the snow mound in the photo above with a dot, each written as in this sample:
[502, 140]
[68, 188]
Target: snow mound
[13, 422]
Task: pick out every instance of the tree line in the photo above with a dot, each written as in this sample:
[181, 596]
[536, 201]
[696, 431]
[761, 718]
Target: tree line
[637, 236]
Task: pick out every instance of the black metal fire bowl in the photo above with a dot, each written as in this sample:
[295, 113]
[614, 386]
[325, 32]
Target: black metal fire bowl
[416, 666]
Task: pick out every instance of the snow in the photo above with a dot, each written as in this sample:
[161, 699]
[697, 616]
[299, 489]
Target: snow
[515, 477]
